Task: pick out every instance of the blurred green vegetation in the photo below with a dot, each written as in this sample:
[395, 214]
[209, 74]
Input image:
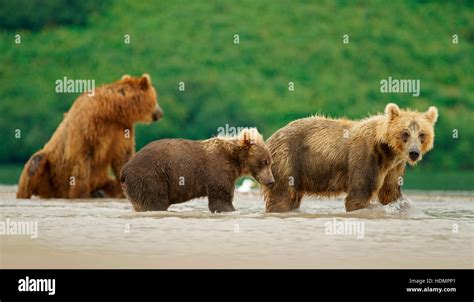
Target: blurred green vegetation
[10, 173]
[244, 84]
[37, 14]
[438, 180]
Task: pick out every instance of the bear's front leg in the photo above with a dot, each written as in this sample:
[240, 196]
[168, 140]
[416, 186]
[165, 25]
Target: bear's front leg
[107, 188]
[391, 188]
[220, 200]
[119, 160]
[357, 200]
[362, 181]
[278, 199]
[79, 180]
[219, 205]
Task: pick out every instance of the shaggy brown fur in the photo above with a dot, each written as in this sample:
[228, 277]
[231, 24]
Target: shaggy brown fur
[365, 158]
[95, 135]
[172, 171]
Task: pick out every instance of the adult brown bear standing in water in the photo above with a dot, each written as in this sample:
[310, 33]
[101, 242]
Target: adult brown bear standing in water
[365, 158]
[95, 135]
[172, 171]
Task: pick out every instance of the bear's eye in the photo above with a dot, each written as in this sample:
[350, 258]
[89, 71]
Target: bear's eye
[422, 137]
[405, 136]
[265, 162]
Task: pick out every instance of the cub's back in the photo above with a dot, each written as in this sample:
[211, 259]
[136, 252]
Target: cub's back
[174, 166]
[170, 156]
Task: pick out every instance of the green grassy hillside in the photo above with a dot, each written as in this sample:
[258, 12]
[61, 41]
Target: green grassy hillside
[246, 84]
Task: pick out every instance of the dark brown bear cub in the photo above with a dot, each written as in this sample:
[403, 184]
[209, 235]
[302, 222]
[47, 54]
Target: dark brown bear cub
[172, 171]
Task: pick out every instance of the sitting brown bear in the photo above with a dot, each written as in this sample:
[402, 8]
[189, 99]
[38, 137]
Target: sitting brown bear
[95, 135]
[366, 158]
[172, 171]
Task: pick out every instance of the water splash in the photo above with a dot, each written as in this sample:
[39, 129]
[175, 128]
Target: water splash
[401, 208]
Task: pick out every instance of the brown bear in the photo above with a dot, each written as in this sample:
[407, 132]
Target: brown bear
[170, 171]
[95, 135]
[366, 158]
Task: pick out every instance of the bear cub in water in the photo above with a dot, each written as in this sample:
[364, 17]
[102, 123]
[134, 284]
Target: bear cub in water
[170, 171]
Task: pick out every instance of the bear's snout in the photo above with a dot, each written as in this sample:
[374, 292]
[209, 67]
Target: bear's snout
[265, 180]
[414, 154]
[270, 182]
[157, 114]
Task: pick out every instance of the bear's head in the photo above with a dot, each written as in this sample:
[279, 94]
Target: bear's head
[255, 157]
[138, 98]
[409, 133]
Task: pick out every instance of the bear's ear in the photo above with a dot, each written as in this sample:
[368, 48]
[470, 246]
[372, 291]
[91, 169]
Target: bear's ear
[125, 77]
[392, 111]
[248, 137]
[144, 82]
[432, 114]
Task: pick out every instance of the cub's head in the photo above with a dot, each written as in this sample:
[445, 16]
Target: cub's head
[410, 133]
[138, 98]
[255, 156]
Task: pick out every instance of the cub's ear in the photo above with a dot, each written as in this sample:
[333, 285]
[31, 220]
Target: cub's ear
[392, 111]
[432, 114]
[248, 137]
[125, 77]
[144, 82]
